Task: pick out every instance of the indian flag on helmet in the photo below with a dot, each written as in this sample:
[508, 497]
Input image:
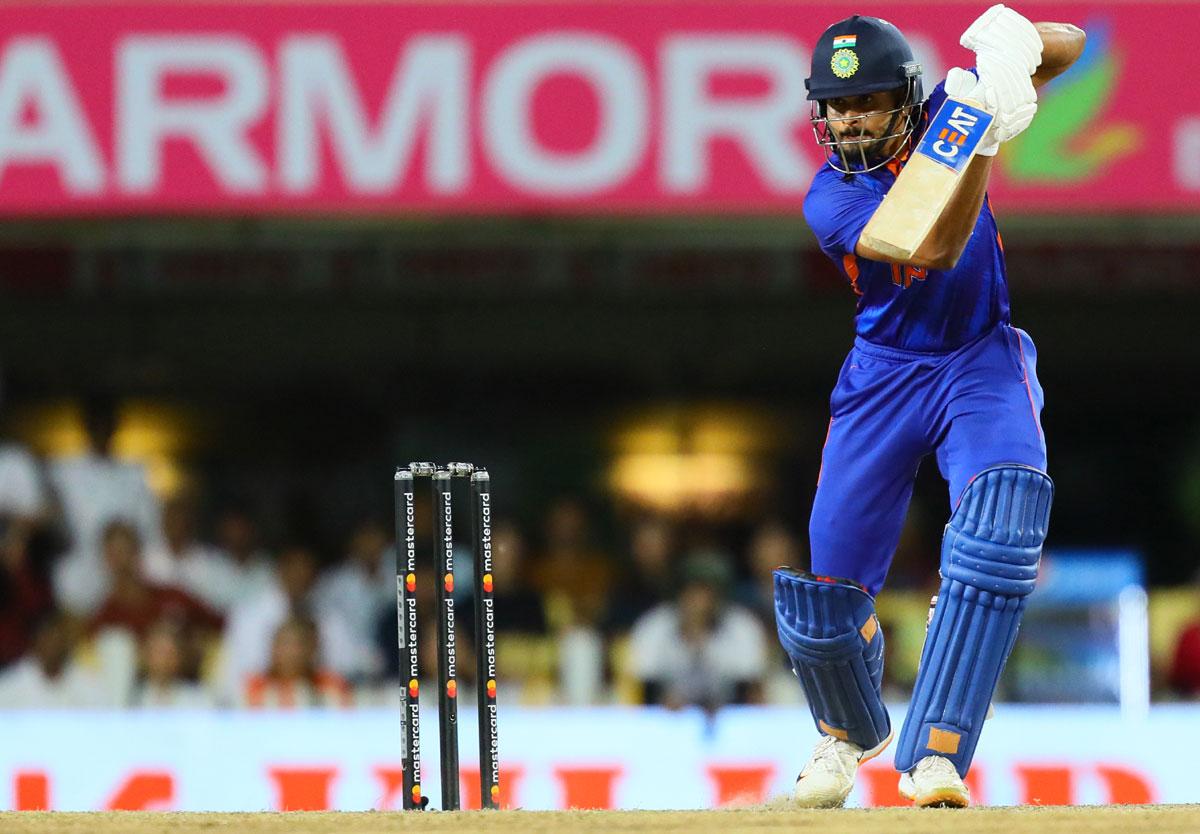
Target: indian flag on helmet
[844, 41]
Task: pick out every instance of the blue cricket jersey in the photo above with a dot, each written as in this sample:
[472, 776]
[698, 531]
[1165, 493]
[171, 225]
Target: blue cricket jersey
[901, 306]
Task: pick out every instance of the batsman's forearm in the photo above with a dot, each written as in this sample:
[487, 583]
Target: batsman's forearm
[1062, 44]
[949, 235]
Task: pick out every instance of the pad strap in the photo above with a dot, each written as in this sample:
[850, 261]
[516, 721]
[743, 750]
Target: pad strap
[829, 629]
[990, 555]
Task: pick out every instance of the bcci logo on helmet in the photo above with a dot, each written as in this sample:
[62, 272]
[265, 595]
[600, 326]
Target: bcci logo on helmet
[844, 63]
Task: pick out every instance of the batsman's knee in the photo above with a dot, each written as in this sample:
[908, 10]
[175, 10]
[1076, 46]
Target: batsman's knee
[994, 539]
[829, 629]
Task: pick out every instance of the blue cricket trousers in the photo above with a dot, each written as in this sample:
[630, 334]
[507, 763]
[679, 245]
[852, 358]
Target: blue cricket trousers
[973, 408]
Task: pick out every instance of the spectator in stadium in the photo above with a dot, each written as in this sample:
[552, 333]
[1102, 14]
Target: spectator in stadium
[252, 569]
[572, 573]
[25, 592]
[1185, 667]
[700, 649]
[519, 609]
[133, 603]
[22, 492]
[294, 677]
[93, 489]
[162, 682]
[648, 581]
[48, 678]
[362, 589]
[253, 623]
[771, 546]
[185, 562]
[573, 576]
[27, 547]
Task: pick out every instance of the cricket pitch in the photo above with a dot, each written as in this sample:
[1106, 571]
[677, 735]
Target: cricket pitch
[1162, 819]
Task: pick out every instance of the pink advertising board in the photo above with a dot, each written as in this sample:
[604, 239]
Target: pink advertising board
[630, 107]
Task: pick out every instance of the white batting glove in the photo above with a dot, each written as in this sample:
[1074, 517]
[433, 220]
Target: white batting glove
[1013, 106]
[1013, 88]
[1003, 33]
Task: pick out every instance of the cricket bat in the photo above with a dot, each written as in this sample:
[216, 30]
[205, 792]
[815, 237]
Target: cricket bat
[927, 182]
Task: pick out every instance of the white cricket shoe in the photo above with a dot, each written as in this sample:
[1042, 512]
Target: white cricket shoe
[934, 783]
[828, 777]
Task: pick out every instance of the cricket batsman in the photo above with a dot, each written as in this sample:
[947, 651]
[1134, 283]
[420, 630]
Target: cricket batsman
[936, 369]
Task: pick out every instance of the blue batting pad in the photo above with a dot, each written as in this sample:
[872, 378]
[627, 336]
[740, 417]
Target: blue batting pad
[990, 555]
[829, 629]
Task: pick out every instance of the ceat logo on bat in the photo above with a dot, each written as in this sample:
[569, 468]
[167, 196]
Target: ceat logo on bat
[449, 582]
[452, 688]
[953, 134]
[487, 582]
[410, 582]
[414, 688]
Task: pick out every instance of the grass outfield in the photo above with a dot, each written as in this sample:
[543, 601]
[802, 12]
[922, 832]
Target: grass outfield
[1161, 819]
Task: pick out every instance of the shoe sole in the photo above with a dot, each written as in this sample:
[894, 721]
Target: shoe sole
[945, 798]
[875, 751]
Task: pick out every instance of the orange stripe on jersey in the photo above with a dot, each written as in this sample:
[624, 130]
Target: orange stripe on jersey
[897, 165]
[1028, 390]
[999, 240]
[850, 264]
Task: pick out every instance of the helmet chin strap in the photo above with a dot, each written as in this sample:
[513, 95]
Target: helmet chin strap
[878, 145]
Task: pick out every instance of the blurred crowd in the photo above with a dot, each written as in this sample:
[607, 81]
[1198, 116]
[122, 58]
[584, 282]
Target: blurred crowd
[109, 598]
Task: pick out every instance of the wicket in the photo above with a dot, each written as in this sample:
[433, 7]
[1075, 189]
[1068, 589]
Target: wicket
[442, 481]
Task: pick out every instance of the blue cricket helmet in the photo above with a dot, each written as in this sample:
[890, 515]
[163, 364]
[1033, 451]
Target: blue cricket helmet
[861, 55]
[855, 57]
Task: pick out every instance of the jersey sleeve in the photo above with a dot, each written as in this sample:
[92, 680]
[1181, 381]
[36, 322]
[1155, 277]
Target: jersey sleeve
[837, 212]
[937, 98]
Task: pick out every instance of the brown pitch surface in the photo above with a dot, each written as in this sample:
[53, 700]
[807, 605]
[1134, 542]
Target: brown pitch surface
[1161, 819]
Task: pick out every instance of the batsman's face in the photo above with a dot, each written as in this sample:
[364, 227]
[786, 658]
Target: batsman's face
[865, 119]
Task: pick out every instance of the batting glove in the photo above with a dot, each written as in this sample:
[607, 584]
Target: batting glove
[1012, 86]
[1003, 33]
[1013, 106]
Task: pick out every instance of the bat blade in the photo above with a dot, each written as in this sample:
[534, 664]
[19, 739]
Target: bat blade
[928, 181]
